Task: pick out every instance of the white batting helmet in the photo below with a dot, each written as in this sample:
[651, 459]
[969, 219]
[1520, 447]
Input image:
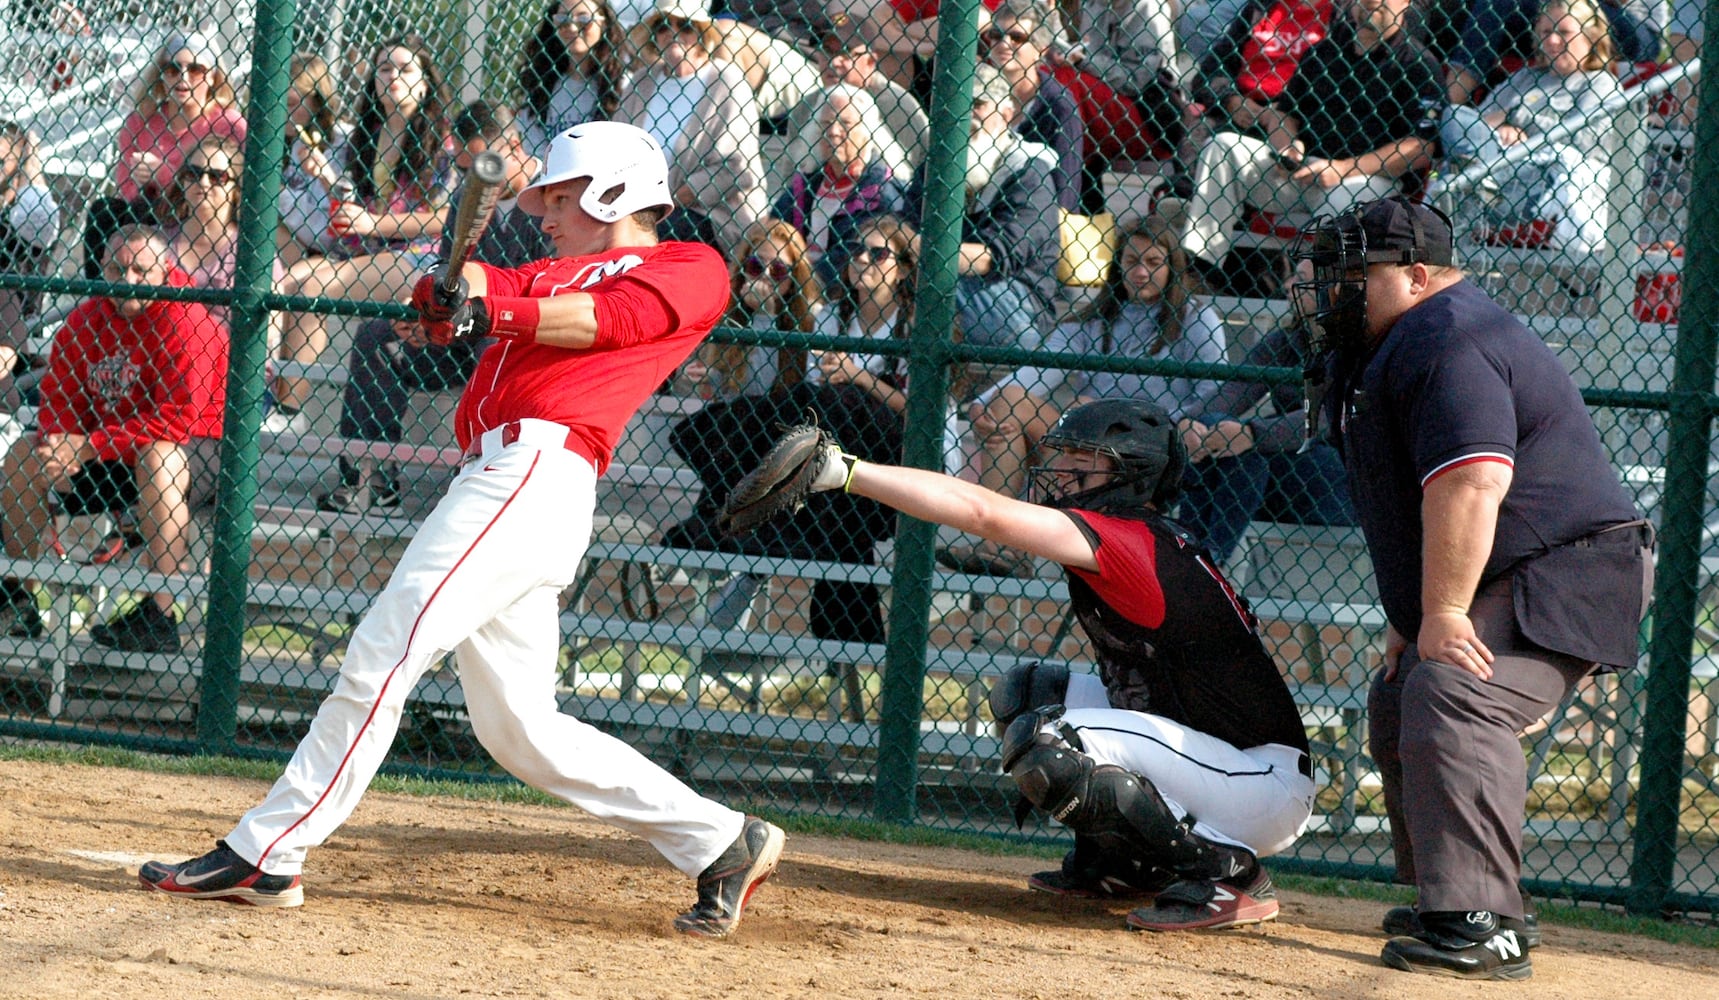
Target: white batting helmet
[622, 160]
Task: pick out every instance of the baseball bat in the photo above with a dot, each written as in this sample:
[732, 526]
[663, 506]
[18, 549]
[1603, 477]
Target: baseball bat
[477, 206]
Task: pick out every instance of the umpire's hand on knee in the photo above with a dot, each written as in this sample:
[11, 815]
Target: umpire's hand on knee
[1449, 637]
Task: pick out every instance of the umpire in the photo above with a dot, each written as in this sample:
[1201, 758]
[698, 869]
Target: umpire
[1510, 561]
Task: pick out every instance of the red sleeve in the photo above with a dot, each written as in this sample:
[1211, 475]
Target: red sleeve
[682, 285]
[1127, 576]
[176, 382]
[514, 282]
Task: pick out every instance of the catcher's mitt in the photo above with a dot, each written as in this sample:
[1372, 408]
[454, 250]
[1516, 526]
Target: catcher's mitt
[802, 462]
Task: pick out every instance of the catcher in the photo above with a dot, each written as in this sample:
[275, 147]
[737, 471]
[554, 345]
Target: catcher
[1184, 761]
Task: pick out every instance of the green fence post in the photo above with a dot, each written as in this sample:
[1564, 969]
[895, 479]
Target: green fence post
[229, 561]
[903, 696]
[1663, 728]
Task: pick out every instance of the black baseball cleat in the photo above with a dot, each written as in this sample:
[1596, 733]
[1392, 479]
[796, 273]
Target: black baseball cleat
[725, 887]
[1463, 946]
[1405, 921]
[222, 874]
[1087, 874]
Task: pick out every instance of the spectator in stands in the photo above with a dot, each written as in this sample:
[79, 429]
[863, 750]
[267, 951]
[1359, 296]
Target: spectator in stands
[1351, 126]
[904, 34]
[391, 357]
[775, 287]
[779, 74]
[704, 113]
[1557, 195]
[1020, 35]
[1246, 460]
[183, 97]
[1148, 308]
[1009, 237]
[202, 229]
[860, 398]
[854, 181]
[130, 417]
[1684, 34]
[1130, 44]
[1497, 28]
[29, 227]
[318, 140]
[402, 173]
[846, 57]
[1250, 64]
[573, 70]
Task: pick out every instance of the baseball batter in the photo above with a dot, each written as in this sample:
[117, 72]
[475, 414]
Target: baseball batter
[1184, 760]
[1511, 563]
[582, 340]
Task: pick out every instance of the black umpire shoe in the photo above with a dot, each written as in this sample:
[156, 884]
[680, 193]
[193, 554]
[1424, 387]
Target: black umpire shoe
[1405, 921]
[1462, 945]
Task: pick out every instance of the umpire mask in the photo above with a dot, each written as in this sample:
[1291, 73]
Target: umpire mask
[1142, 443]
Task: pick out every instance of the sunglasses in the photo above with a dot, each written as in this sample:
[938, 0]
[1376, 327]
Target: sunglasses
[756, 267]
[1016, 36]
[873, 255]
[191, 173]
[579, 21]
[184, 69]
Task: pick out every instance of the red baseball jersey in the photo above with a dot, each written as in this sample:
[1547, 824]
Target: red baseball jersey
[161, 376]
[594, 391]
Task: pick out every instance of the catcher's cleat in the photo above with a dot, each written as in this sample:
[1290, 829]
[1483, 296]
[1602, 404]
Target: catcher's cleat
[1192, 904]
[222, 874]
[1463, 946]
[725, 887]
[1095, 886]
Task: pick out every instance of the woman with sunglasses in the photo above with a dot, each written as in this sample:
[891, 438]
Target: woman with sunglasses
[857, 179]
[572, 71]
[401, 167]
[705, 114]
[317, 141]
[1020, 35]
[202, 210]
[182, 98]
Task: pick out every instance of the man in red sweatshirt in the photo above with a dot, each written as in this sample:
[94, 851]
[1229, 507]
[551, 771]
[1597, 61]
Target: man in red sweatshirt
[130, 417]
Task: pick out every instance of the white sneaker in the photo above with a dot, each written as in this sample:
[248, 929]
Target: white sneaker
[278, 421]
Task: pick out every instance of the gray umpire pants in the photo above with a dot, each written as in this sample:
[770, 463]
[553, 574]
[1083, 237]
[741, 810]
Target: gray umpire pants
[1455, 777]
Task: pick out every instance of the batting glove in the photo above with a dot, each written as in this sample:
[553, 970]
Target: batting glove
[469, 321]
[435, 303]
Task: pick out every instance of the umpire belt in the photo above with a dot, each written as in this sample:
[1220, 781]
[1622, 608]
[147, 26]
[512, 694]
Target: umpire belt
[533, 433]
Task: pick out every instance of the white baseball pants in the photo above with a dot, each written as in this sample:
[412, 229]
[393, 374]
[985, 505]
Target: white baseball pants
[1255, 798]
[481, 578]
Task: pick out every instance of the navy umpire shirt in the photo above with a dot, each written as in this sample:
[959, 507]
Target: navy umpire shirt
[1458, 379]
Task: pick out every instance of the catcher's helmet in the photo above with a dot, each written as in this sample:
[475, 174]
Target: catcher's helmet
[1136, 435]
[626, 164]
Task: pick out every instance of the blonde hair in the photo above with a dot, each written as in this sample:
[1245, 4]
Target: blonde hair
[799, 306]
[151, 91]
[1594, 26]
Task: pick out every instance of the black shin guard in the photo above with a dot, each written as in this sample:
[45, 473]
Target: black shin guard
[1119, 811]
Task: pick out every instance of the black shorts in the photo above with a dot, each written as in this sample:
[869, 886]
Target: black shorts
[109, 487]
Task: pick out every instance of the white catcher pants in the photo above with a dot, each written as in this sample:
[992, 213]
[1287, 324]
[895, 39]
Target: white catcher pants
[481, 578]
[1255, 798]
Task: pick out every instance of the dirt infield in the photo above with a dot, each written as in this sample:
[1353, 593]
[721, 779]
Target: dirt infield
[431, 897]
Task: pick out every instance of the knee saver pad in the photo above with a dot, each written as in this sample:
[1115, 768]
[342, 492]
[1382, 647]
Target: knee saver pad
[1027, 686]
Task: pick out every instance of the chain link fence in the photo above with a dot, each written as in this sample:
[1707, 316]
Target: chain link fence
[208, 479]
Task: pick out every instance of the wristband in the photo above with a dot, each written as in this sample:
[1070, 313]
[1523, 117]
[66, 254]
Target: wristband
[513, 318]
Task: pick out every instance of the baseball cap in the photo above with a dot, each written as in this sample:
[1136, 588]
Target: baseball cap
[989, 85]
[614, 155]
[1407, 232]
[203, 53]
[686, 10]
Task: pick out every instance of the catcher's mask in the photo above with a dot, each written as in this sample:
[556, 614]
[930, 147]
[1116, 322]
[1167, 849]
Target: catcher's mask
[1141, 441]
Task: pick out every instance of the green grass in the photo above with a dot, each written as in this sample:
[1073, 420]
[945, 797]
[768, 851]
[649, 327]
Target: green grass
[1552, 912]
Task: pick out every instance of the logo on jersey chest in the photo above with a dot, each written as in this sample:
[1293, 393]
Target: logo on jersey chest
[597, 272]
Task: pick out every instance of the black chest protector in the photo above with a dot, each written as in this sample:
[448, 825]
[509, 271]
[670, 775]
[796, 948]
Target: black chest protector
[1203, 666]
